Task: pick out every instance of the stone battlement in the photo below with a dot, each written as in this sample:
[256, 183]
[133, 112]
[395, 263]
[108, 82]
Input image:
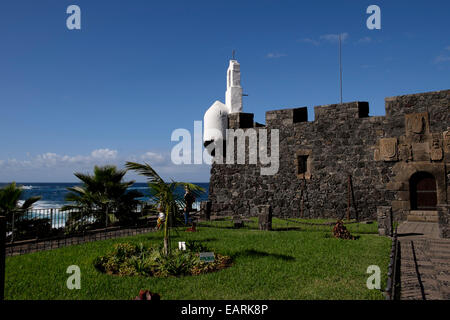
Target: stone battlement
[357, 110]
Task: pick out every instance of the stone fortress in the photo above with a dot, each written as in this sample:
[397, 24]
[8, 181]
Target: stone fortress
[345, 162]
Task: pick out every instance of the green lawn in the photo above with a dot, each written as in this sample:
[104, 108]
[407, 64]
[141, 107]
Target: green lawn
[293, 262]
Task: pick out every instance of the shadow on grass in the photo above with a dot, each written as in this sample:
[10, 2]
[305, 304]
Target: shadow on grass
[252, 227]
[276, 229]
[203, 240]
[251, 253]
[180, 234]
[245, 227]
[330, 236]
[366, 233]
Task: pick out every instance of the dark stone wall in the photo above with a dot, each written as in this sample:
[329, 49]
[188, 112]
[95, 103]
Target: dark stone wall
[341, 141]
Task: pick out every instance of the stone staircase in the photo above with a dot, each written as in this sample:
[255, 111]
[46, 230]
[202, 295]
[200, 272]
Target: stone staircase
[423, 216]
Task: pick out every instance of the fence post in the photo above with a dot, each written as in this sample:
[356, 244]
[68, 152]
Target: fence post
[12, 227]
[2, 256]
[205, 210]
[265, 217]
[348, 197]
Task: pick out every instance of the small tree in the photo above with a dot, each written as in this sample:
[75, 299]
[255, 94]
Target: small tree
[9, 204]
[102, 194]
[164, 195]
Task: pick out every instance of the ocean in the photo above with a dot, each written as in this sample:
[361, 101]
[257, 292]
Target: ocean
[53, 194]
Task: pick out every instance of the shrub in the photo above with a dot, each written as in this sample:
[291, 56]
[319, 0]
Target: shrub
[128, 259]
[195, 246]
[32, 228]
[341, 232]
[177, 263]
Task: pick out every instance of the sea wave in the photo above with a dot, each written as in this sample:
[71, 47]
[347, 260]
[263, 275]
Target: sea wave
[46, 204]
[26, 187]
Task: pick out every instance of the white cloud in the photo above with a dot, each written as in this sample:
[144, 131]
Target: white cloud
[365, 40]
[53, 167]
[50, 159]
[275, 55]
[333, 38]
[442, 58]
[311, 41]
[152, 157]
[367, 66]
[104, 154]
[326, 38]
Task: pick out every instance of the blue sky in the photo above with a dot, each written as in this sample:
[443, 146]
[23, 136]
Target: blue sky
[137, 70]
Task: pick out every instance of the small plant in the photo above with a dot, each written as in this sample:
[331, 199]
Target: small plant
[195, 246]
[147, 295]
[341, 232]
[128, 259]
[177, 263]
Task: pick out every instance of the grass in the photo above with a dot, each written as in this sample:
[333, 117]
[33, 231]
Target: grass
[293, 262]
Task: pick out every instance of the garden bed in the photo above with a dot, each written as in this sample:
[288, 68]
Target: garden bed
[128, 259]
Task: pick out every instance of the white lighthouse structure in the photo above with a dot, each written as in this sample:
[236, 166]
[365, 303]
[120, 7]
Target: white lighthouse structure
[215, 119]
[233, 95]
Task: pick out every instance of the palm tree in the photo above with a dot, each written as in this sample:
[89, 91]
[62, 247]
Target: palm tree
[9, 204]
[164, 195]
[102, 194]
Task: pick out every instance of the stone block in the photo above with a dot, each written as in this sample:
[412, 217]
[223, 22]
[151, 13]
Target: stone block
[446, 141]
[265, 217]
[238, 223]
[394, 186]
[421, 151]
[417, 123]
[398, 205]
[388, 149]
[444, 220]
[205, 210]
[384, 219]
[240, 120]
[403, 195]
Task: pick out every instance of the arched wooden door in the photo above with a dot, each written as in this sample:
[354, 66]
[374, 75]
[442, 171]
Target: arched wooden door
[422, 186]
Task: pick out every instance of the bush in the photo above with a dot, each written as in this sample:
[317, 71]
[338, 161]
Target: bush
[128, 259]
[32, 228]
[195, 246]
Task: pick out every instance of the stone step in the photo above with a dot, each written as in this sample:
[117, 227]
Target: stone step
[423, 219]
[423, 213]
[423, 216]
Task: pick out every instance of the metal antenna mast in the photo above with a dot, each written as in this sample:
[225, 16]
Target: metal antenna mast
[340, 63]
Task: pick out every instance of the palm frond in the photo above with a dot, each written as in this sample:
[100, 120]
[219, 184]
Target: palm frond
[77, 190]
[145, 170]
[29, 202]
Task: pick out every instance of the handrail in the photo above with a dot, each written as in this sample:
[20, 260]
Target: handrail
[392, 281]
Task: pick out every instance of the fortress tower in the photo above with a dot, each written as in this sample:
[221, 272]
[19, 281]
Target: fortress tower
[219, 116]
[233, 95]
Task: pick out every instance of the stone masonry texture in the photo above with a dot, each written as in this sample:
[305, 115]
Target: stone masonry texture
[379, 153]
